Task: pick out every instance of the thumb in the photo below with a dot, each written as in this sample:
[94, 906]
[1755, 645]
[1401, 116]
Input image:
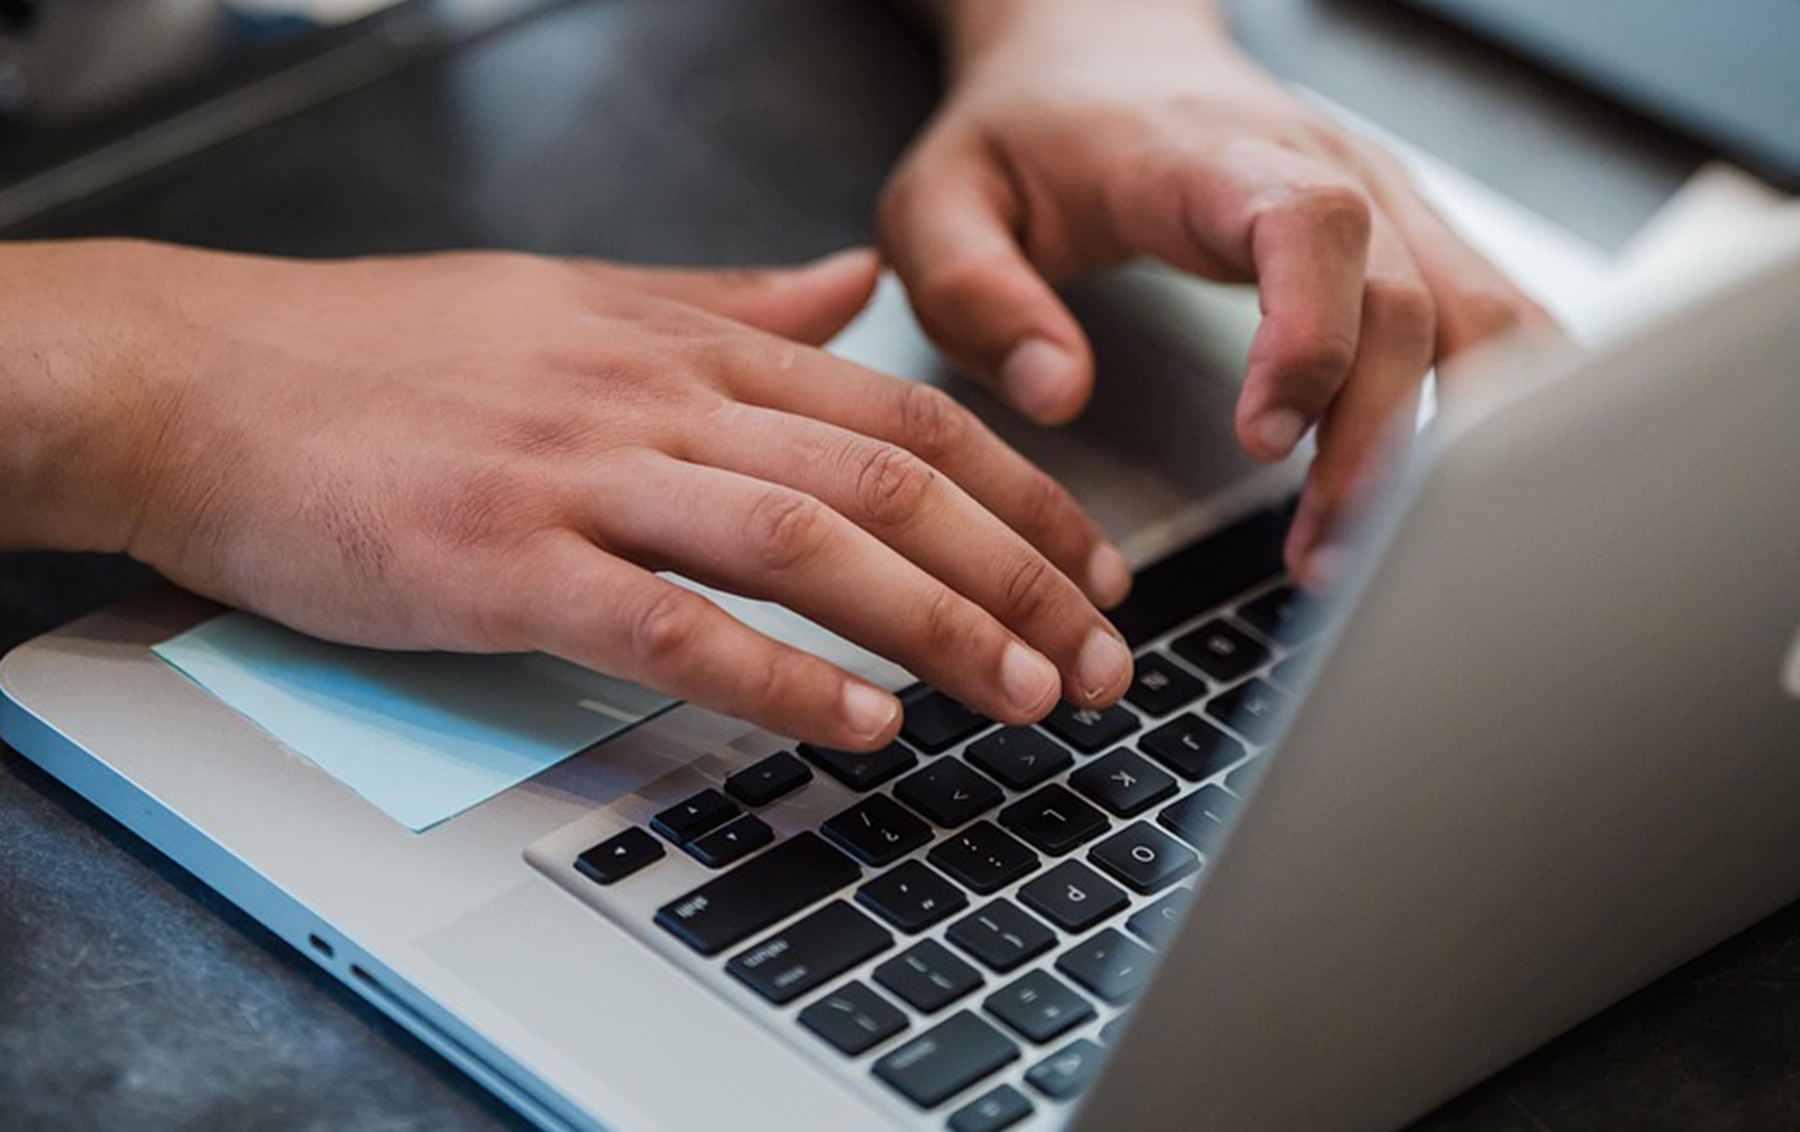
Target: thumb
[809, 303]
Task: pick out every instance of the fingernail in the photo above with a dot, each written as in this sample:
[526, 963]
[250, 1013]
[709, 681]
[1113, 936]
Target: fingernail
[1104, 663]
[1108, 575]
[1279, 430]
[1028, 679]
[1036, 377]
[868, 711]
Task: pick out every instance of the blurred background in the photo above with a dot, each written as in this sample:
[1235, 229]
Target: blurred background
[94, 92]
[71, 62]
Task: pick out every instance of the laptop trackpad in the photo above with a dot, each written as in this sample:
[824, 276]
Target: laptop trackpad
[423, 736]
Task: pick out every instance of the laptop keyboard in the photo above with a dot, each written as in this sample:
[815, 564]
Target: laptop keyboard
[966, 919]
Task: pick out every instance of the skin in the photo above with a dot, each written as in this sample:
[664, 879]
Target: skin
[492, 452]
[1079, 133]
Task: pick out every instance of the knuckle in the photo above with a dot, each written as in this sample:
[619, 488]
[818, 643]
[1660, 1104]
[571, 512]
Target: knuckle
[662, 625]
[1044, 505]
[944, 623]
[473, 510]
[1317, 366]
[1483, 312]
[548, 435]
[1029, 588]
[892, 485]
[932, 424]
[782, 680]
[950, 289]
[1402, 311]
[894, 206]
[787, 528]
[1336, 208]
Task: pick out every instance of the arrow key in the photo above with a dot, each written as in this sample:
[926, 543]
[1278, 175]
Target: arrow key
[619, 856]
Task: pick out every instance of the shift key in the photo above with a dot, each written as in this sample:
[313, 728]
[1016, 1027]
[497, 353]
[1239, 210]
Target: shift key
[763, 891]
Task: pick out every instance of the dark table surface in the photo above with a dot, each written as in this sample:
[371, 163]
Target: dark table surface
[733, 131]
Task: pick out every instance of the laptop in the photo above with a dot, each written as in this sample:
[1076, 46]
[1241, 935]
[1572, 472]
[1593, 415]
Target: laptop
[1721, 71]
[1321, 870]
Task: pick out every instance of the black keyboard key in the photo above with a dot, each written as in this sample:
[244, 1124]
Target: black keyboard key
[1110, 965]
[1054, 820]
[1155, 923]
[1292, 671]
[863, 770]
[1001, 935]
[800, 871]
[1221, 650]
[854, 1019]
[912, 897]
[1159, 686]
[1123, 782]
[991, 1112]
[1144, 858]
[1039, 1007]
[1202, 576]
[619, 856]
[806, 955]
[730, 844]
[1201, 818]
[877, 831]
[983, 857]
[948, 792]
[934, 722]
[928, 976]
[774, 777]
[1114, 1030]
[946, 1059]
[1020, 757]
[1242, 778]
[1090, 729]
[687, 820]
[1192, 747]
[1063, 1074]
[1282, 615]
[1073, 897]
[1253, 709]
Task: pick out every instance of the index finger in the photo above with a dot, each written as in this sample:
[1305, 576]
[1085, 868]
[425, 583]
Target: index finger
[1295, 226]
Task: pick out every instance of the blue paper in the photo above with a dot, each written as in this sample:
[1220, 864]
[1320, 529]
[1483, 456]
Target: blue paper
[424, 736]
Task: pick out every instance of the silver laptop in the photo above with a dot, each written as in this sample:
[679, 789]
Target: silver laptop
[1319, 872]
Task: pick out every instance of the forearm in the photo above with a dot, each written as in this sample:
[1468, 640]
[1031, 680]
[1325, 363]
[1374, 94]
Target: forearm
[66, 404]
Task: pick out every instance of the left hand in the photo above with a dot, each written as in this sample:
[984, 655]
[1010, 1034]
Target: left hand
[1078, 134]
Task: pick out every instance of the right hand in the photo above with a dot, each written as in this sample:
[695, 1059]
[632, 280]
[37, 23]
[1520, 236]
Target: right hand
[490, 452]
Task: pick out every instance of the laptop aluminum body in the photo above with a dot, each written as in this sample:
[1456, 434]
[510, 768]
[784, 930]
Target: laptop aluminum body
[1547, 754]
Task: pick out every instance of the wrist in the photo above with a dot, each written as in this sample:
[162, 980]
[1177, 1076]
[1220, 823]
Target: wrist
[977, 33]
[75, 414]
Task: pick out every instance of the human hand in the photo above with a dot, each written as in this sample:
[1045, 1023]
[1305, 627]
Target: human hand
[1077, 134]
[492, 452]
